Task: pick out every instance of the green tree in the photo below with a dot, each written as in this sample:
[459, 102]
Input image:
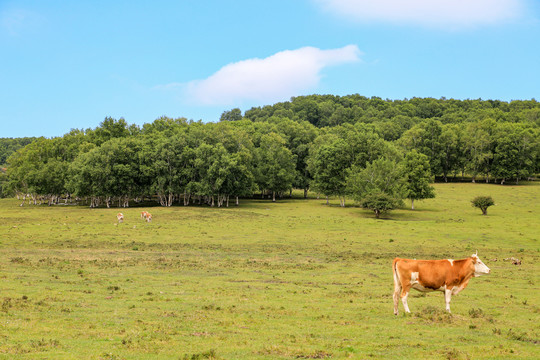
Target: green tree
[426, 139]
[380, 186]
[9, 145]
[483, 203]
[379, 203]
[165, 126]
[452, 152]
[298, 138]
[3, 183]
[275, 165]
[22, 168]
[238, 177]
[329, 164]
[478, 140]
[365, 145]
[110, 172]
[108, 129]
[166, 168]
[40, 169]
[516, 151]
[334, 153]
[306, 109]
[231, 115]
[418, 176]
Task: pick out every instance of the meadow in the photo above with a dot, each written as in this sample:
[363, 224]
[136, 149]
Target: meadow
[295, 279]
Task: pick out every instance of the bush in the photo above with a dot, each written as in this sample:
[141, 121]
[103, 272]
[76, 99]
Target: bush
[380, 202]
[483, 202]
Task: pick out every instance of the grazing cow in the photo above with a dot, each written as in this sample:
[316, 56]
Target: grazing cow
[143, 215]
[120, 217]
[148, 217]
[449, 276]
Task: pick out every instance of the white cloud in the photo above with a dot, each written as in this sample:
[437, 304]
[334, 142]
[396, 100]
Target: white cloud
[432, 13]
[275, 78]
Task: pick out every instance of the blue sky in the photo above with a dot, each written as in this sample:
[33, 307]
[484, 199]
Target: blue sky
[70, 64]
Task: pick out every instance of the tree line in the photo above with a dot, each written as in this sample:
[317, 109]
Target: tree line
[375, 151]
[9, 145]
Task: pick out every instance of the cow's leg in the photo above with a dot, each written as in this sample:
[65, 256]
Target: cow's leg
[447, 297]
[397, 291]
[406, 288]
[404, 296]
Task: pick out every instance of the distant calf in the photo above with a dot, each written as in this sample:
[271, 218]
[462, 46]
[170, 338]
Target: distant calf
[449, 276]
[120, 217]
[146, 216]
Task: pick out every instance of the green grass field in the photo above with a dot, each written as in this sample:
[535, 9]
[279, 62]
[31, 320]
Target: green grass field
[289, 280]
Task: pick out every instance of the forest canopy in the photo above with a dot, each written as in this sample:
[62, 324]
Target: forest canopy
[9, 145]
[316, 142]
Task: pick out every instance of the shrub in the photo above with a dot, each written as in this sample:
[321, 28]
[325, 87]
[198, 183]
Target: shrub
[380, 202]
[482, 202]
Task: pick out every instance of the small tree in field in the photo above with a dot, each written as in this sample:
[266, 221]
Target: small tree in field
[380, 202]
[483, 202]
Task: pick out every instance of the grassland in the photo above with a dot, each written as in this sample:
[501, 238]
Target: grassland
[293, 279]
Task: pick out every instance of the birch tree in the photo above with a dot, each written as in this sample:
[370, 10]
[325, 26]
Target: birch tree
[417, 177]
[380, 186]
[275, 165]
[329, 164]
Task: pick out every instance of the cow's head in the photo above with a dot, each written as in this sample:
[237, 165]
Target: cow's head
[479, 267]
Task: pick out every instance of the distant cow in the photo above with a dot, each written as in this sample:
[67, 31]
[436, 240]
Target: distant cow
[120, 217]
[146, 216]
[449, 276]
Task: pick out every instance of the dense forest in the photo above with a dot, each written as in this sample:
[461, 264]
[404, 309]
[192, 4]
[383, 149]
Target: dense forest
[9, 145]
[343, 146]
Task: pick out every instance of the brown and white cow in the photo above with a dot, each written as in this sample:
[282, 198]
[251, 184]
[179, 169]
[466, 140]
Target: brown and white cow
[146, 216]
[449, 276]
[120, 217]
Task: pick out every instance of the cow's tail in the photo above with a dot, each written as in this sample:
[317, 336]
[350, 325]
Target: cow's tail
[397, 283]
